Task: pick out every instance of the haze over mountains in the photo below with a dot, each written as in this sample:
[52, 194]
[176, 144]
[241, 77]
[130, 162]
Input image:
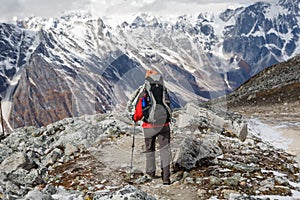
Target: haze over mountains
[77, 64]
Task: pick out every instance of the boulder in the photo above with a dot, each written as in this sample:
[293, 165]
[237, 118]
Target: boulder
[70, 149]
[13, 162]
[128, 192]
[192, 151]
[217, 119]
[237, 129]
[22, 176]
[4, 152]
[183, 120]
[52, 157]
[34, 194]
[194, 110]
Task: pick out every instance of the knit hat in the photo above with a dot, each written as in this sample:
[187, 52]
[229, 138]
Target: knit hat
[154, 77]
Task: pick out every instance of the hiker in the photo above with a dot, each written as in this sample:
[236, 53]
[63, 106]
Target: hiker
[153, 107]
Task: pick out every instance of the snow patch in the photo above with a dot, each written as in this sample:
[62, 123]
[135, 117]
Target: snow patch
[268, 134]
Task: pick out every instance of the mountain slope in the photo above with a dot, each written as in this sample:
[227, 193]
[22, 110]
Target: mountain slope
[77, 64]
[274, 91]
[276, 84]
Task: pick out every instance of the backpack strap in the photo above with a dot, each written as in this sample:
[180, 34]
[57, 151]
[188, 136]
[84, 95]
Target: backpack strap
[131, 104]
[153, 102]
[166, 101]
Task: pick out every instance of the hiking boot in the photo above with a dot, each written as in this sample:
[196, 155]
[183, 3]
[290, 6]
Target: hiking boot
[167, 182]
[152, 175]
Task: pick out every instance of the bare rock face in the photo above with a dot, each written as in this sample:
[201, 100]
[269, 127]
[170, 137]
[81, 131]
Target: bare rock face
[41, 97]
[47, 93]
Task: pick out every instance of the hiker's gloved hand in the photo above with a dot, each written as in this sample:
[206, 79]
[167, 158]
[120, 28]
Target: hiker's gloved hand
[132, 117]
[173, 121]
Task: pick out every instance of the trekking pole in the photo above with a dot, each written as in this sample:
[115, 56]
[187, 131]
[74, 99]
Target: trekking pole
[2, 124]
[132, 149]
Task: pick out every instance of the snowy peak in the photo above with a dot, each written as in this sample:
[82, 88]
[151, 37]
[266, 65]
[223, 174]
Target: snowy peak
[291, 6]
[94, 64]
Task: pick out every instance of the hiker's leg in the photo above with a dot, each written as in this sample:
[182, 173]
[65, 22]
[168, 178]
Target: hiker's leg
[150, 150]
[164, 147]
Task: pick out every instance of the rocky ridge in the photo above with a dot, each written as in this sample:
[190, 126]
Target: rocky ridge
[278, 84]
[215, 155]
[272, 94]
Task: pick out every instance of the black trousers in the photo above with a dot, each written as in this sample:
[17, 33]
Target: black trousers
[163, 136]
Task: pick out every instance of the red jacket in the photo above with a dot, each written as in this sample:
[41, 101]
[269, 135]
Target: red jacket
[138, 115]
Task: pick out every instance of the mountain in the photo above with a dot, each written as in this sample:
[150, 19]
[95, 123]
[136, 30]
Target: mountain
[77, 64]
[274, 91]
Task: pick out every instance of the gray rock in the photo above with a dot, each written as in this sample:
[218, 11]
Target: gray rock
[267, 185]
[230, 194]
[183, 120]
[50, 189]
[23, 177]
[70, 149]
[189, 180]
[62, 193]
[242, 132]
[263, 146]
[193, 150]
[52, 157]
[33, 195]
[3, 176]
[194, 110]
[5, 151]
[143, 179]
[281, 180]
[213, 180]
[237, 128]
[297, 159]
[240, 166]
[218, 119]
[10, 187]
[128, 192]
[13, 162]
[233, 180]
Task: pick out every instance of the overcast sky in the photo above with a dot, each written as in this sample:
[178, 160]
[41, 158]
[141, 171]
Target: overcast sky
[10, 9]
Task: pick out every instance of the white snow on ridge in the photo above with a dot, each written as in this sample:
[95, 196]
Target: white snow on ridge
[273, 11]
[268, 134]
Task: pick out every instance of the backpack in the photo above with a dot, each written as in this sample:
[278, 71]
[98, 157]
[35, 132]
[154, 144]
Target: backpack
[155, 101]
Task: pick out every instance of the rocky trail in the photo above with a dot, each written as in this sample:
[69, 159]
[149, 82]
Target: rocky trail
[214, 157]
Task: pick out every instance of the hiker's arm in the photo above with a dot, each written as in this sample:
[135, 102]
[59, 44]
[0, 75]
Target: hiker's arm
[138, 115]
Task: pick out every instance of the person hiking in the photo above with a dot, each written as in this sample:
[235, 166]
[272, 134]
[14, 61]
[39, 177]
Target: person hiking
[153, 107]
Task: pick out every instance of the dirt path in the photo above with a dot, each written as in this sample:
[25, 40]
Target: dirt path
[117, 157]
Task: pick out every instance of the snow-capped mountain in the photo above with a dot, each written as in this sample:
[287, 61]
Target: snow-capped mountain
[77, 64]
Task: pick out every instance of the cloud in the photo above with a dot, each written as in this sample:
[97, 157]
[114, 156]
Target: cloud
[42, 8]
[111, 8]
